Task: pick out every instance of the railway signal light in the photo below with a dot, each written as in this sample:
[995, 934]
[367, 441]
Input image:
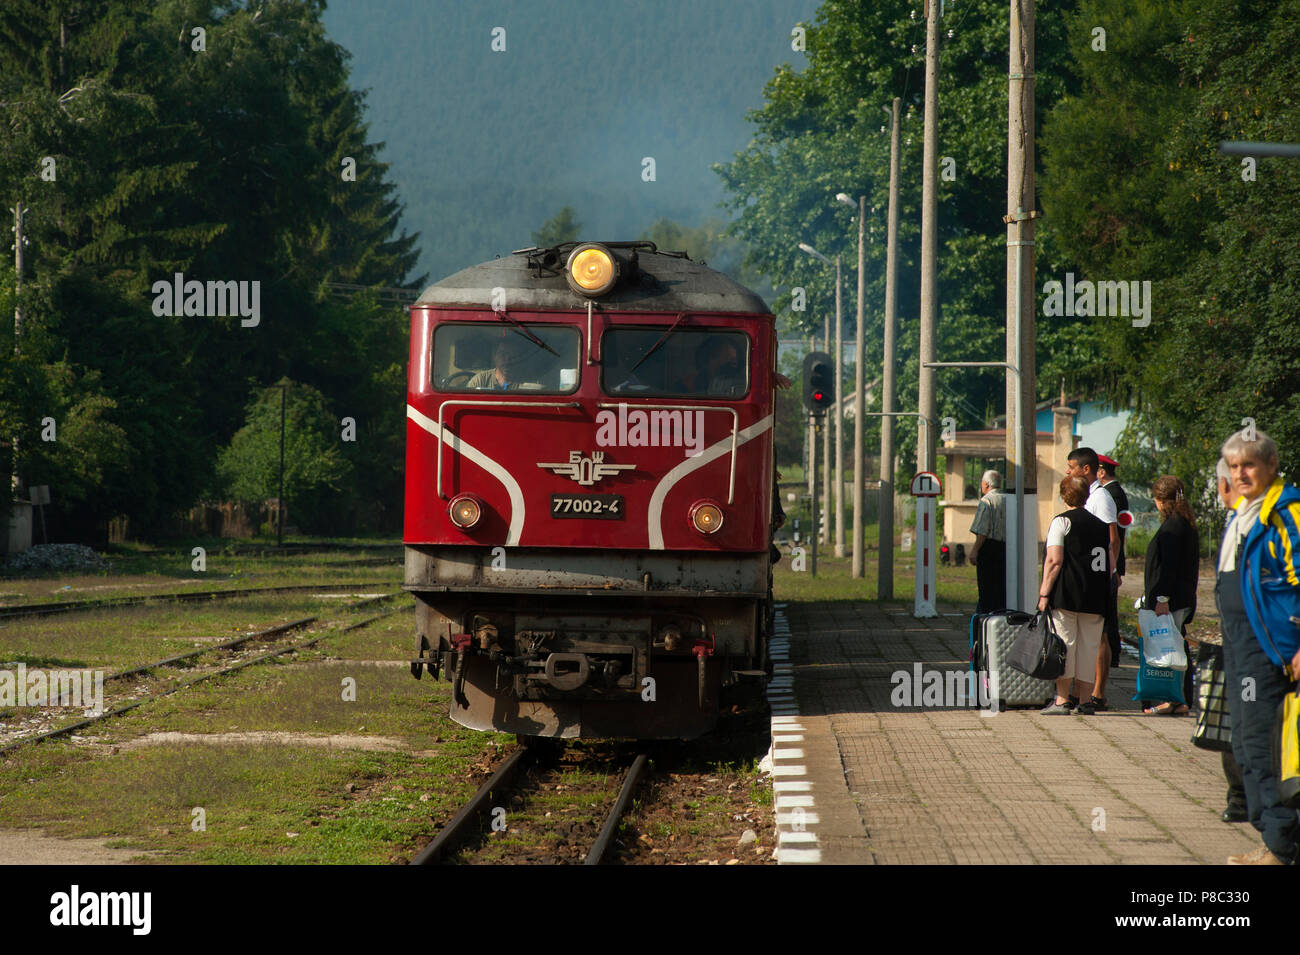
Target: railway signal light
[818, 382]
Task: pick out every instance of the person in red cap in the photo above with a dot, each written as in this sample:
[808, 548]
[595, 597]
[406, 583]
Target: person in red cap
[1108, 652]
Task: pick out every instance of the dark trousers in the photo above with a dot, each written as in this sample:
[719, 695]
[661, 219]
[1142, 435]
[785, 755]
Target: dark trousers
[1252, 675]
[1236, 788]
[1111, 629]
[991, 576]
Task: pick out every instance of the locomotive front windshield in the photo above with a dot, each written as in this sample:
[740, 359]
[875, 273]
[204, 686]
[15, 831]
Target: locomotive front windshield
[699, 362]
[497, 356]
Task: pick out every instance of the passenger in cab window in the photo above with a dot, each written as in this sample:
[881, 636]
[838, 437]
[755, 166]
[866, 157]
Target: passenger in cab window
[501, 376]
[717, 372]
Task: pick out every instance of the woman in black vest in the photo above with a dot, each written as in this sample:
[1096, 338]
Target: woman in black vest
[1173, 563]
[1076, 587]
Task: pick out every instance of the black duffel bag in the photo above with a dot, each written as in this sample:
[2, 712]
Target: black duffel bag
[1213, 718]
[1038, 651]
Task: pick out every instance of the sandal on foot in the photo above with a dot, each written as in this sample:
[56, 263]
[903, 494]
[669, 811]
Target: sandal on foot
[1167, 709]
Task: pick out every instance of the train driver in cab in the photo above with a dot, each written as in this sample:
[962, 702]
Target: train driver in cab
[717, 369]
[500, 377]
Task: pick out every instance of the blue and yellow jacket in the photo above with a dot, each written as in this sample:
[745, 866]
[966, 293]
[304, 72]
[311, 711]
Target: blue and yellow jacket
[1270, 573]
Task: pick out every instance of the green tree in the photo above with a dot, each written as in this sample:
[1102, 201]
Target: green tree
[224, 164]
[1156, 201]
[561, 227]
[315, 470]
[824, 130]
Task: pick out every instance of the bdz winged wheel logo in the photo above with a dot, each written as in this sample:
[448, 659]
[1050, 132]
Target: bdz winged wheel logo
[586, 471]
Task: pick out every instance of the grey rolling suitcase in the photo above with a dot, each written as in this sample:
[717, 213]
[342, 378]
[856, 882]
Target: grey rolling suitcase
[991, 636]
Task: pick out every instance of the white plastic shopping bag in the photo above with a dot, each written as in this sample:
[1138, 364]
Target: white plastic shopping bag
[1162, 644]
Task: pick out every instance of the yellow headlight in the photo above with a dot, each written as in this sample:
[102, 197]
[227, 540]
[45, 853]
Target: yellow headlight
[592, 270]
[464, 512]
[706, 517]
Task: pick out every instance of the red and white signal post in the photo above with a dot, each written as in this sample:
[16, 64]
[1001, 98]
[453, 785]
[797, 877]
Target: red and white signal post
[925, 488]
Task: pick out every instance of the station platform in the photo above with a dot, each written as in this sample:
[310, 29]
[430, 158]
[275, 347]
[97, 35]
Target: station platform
[859, 780]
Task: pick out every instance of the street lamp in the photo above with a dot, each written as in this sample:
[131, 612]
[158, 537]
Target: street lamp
[838, 420]
[859, 402]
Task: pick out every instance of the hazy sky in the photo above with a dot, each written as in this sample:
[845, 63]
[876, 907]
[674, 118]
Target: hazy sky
[487, 144]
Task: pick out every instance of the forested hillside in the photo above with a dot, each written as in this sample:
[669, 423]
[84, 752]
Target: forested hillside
[152, 140]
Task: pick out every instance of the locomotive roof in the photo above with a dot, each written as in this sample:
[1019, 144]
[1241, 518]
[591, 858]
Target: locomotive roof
[652, 281]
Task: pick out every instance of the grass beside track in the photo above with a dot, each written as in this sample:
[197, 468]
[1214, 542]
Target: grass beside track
[114, 639]
[834, 580]
[138, 569]
[284, 768]
[261, 803]
[265, 798]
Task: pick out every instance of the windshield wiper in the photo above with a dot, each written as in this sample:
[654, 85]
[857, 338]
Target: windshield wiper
[662, 338]
[526, 333]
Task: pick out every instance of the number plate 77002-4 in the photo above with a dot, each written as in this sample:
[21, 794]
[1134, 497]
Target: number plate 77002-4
[607, 507]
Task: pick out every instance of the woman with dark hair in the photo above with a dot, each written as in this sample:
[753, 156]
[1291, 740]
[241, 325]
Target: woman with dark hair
[1173, 564]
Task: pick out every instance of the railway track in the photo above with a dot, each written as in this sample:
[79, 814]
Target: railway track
[229, 645]
[498, 789]
[133, 600]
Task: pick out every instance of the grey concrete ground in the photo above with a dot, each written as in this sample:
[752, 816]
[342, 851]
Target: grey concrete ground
[947, 785]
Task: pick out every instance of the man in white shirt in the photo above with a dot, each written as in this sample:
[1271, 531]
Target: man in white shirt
[1083, 463]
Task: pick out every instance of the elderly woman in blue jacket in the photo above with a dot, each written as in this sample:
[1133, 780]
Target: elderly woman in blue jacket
[1259, 595]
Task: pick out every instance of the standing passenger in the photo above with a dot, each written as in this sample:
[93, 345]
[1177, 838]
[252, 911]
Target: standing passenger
[1236, 808]
[1074, 589]
[1108, 653]
[1173, 563]
[1082, 463]
[989, 555]
[1259, 592]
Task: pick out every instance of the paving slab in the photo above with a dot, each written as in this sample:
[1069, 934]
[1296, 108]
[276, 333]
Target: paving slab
[881, 783]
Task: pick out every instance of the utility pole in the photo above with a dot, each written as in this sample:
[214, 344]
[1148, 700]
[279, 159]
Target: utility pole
[839, 416]
[20, 240]
[279, 501]
[885, 570]
[816, 518]
[812, 437]
[926, 403]
[826, 454]
[19, 210]
[1021, 441]
[859, 403]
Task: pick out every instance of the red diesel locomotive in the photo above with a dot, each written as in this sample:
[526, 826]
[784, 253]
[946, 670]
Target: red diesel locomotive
[589, 487]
